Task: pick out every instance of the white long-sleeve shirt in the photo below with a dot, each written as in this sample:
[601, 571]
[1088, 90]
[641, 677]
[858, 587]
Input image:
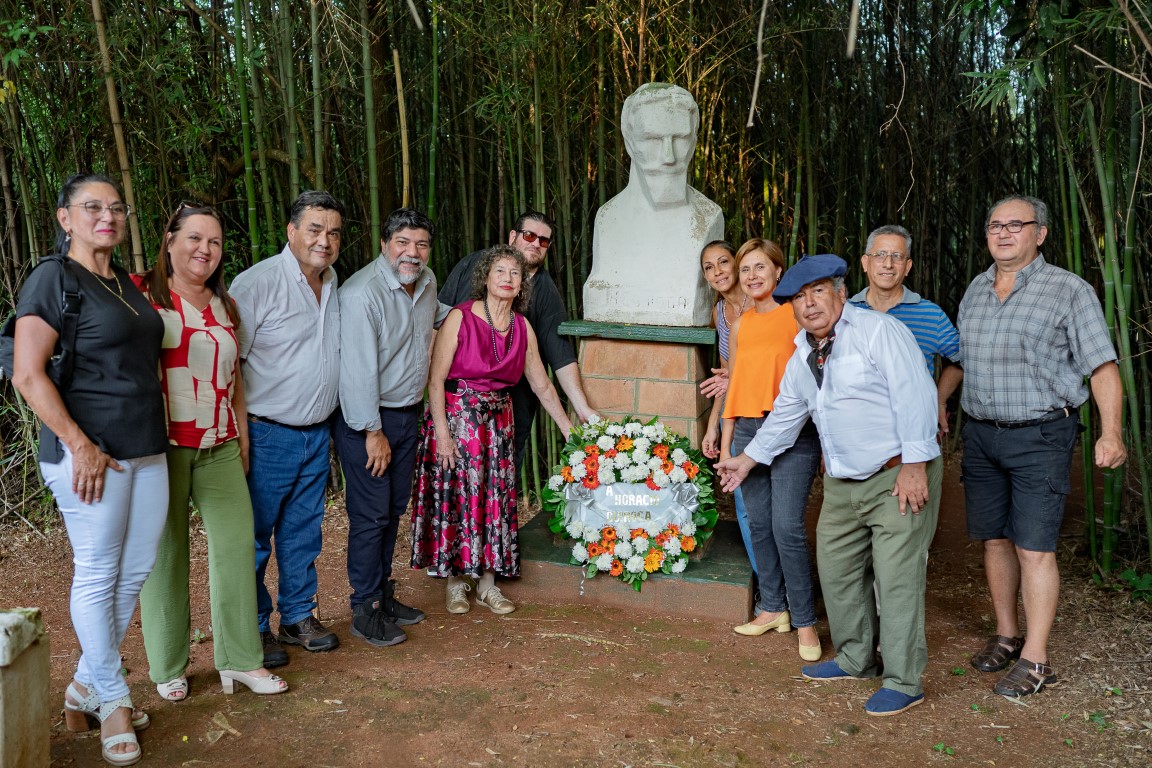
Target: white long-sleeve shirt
[877, 401]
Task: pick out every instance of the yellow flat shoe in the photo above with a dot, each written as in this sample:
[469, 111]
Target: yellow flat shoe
[811, 652]
[782, 623]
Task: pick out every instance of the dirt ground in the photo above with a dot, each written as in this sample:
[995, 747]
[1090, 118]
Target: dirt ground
[555, 685]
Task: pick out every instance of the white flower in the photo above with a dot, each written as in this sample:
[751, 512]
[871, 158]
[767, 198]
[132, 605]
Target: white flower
[604, 562]
[679, 566]
[655, 463]
[678, 475]
[688, 528]
[639, 456]
[642, 444]
[580, 553]
[672, 546]
[634, 474]
[623, 548]
[622, 460]
[579, 471]
[575, 529]
[648, 431]
[678, 456]
[577, 458]
[632, 428]
[593, 419]
[615, 430]
[635, 564]
[605, 443]
[640, 545]
[606, 476]
[653, 529]
[555, 482]
[660, 477]
[591, 534]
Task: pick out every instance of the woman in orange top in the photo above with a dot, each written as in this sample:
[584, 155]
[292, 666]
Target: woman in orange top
[776, 496]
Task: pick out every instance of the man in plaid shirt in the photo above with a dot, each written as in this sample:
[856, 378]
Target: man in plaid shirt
[1030, 333]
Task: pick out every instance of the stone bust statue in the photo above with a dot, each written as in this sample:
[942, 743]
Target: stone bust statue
[647, 240]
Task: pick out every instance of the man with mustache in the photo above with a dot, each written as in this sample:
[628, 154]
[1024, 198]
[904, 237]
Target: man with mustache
[860, 376]
[887, 262]
[390, 308]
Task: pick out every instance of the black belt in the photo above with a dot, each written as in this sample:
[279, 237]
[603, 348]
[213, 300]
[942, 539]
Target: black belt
[455, 385]
[273, 422]
[1057, 415]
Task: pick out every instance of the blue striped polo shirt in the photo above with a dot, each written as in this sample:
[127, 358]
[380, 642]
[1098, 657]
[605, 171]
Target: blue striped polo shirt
[934, 332]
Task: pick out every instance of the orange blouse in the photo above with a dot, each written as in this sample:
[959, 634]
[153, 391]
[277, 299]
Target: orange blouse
[764, 344]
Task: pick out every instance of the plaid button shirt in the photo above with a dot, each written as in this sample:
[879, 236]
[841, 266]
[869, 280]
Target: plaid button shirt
[1030, 355]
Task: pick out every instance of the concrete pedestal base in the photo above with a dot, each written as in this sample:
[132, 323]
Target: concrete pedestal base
[25, 716]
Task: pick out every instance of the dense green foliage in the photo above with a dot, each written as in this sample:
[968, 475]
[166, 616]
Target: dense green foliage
[943, 107]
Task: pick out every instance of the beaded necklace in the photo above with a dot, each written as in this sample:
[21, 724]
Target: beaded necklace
[511, 329]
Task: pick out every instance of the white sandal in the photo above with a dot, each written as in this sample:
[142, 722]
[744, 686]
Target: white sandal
[80, 708]
[272, 684]
[118, 758]
[173, 690]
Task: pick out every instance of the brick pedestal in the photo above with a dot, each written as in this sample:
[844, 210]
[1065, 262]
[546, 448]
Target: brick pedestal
[646, 379]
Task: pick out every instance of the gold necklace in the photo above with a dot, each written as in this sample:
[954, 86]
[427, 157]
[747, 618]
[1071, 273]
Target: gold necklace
[118, 293]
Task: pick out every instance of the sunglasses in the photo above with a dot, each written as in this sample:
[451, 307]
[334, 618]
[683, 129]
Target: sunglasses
[531, 237]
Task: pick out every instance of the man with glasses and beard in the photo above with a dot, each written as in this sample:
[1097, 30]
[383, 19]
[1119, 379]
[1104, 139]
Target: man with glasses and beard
[532, 234]
[390, 309]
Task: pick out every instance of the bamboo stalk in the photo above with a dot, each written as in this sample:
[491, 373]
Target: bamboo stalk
[317, 110]
[246, 137]
[118, 134]
[370, 126]
[406, 162]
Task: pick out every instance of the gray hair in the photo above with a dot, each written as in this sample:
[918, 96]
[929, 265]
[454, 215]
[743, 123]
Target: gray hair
[890, 229]
[407, 218]
[1039, 208]
[837, 282]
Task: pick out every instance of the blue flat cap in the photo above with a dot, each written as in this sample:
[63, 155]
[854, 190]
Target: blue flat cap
[808, 270]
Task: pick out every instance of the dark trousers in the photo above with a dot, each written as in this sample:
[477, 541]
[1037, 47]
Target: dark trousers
[376, 505]
[524, 408]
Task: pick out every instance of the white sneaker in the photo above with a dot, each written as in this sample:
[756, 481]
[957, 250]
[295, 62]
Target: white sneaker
[495, 601]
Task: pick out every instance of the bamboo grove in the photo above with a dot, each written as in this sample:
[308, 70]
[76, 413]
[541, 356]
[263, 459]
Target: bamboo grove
[475, 111]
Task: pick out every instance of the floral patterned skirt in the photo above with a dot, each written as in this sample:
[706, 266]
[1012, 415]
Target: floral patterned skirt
[464, 518]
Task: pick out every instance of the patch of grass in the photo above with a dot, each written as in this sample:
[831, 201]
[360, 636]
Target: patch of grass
[1099, 718]
[944, 749]
[958, 672]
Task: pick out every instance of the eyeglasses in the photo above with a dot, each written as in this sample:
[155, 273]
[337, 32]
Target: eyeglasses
[531, 237]
[95, 209]
[1011, 226]
[897, 257]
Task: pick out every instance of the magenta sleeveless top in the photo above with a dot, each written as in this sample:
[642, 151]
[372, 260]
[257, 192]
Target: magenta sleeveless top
[476, 365]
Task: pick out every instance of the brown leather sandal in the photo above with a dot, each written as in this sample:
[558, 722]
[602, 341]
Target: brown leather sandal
[998, 653]
[1025, 679]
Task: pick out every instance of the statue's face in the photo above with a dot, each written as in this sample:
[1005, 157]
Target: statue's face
[660, 139]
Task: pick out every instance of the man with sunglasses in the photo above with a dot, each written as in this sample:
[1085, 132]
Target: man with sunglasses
[886, 263]
[1030, 333]
[532, 234]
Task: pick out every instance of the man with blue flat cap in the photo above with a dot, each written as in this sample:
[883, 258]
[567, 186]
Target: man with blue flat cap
[860, 376]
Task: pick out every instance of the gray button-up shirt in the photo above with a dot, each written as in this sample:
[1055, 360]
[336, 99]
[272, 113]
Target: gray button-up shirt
[386, 337]
[1029, 355]
[289, 344]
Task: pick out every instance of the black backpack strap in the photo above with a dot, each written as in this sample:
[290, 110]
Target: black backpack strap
[70, 306]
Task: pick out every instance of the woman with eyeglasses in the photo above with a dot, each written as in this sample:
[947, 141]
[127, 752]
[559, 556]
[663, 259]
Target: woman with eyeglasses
[464, 523]
[207, 461]
[102, 442]
[776, 496]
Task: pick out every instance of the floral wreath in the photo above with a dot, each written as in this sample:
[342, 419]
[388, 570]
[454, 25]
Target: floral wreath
[628, 451]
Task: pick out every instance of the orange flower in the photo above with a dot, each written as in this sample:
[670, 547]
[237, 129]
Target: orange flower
[653, 560]
[661, 451]
[624, 444]
[651, 484]
[611, 453]
[617, 568]
[592, 450]
[662, 538]
[592, 464]
[595, 550]
[673, 529]
[566, 474]
[690, 469]
[667, 466]
[608, 533]
[687, 543]
[637, 533]
[591, 482]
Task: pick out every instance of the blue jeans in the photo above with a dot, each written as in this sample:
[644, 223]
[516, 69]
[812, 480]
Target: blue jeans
[742, 523]
[776, 498]
[376, 505]
[287, 472]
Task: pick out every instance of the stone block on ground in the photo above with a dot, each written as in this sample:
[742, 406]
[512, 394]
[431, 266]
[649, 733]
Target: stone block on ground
[25, 674]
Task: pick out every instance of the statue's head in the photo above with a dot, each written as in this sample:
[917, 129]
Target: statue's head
[659, 122]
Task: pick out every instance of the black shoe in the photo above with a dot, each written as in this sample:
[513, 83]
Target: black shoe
[274, 653]
[371, 624]
[396, 611]
[310, 634]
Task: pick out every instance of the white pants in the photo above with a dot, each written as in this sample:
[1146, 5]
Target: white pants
[113, 549]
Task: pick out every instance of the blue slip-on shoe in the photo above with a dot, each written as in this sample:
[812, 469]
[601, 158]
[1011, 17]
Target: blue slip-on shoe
[826, 670]
[887, 702]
